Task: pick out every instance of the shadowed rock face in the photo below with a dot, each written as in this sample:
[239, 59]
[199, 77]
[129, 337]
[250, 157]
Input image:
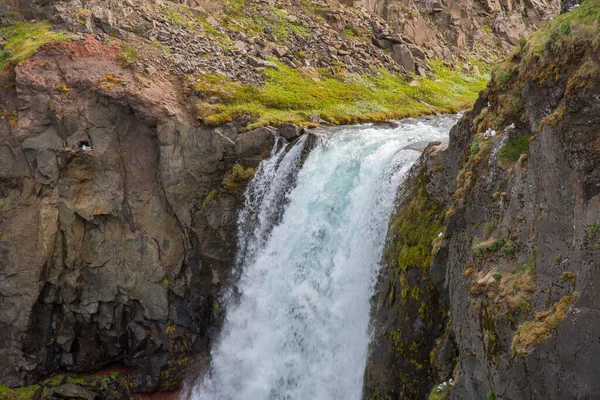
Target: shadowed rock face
[107, 254]
[515, 265]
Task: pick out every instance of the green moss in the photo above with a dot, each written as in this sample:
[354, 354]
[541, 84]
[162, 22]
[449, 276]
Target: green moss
[172, 374]
[291, 96]
[514, 149]
[416, 231]
[208, 198]
[23, 40]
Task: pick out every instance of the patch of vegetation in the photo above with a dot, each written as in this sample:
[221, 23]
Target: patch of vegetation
[208, 198]
[592, 229]
[291, 96]
[565, 27]
[532, 333]
[443, 394]
[490, 395]
[488, 228]
[474, 147]
[489, 246]
[128, 55]
[23, 40]
[238, 175]
[497, 276]
[349, 32]
[504, 79]
[97, 383]
[416, 231]
[568, 276]
[512, 150]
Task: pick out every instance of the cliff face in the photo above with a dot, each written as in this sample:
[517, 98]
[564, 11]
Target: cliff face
[116, 232]
[447, 27]
[514, 199]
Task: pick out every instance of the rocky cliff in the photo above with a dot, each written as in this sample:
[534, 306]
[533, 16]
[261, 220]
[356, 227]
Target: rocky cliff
[117, 218]
[495, 245]
[127, 136]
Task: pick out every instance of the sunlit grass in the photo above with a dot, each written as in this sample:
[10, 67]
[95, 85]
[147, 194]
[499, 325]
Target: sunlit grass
[24, 39]
[291, 96]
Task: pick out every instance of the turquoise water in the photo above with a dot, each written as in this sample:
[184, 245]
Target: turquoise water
[310, 239]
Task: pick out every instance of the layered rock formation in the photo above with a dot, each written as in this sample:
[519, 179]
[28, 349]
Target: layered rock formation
[502, 226]
[117, 218]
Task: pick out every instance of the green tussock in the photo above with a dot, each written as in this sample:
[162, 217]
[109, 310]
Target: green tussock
[512, 150]
[291, 96]
[24, 39]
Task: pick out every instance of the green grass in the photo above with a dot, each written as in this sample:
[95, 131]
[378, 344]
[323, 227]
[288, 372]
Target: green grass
[512, 150]
[290, 96]
[128, 55]
[567, 29]
[23, 40]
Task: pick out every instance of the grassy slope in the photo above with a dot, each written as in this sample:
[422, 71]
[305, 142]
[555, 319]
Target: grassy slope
[24, 39]
[339, 98]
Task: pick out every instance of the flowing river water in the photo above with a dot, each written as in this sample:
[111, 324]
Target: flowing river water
[310, 241]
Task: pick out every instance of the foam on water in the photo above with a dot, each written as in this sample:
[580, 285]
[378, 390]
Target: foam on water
[310, 240]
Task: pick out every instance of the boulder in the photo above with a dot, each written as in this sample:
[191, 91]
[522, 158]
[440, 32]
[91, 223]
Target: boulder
[74, 392]
[289, 131]
[254, 143]
[402, 56]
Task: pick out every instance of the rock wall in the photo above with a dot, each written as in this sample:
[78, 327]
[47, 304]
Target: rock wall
[448, 28]
[514, 256]
[117, 230]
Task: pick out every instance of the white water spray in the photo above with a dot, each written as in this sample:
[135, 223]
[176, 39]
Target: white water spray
[310, 241]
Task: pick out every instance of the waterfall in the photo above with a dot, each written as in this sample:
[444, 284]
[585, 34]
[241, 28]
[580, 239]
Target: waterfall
[310, 240]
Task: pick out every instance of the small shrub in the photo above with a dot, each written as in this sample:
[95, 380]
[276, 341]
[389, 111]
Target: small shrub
[350, 32]
[592, 229]
[238, 175]
[497, 276]
[568, 276]
[490, 395]
[565, 27]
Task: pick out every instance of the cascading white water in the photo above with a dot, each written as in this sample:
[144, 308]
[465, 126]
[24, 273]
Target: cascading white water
[310, 242]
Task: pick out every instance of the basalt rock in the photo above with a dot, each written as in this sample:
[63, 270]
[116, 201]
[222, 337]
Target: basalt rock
[108, 251]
